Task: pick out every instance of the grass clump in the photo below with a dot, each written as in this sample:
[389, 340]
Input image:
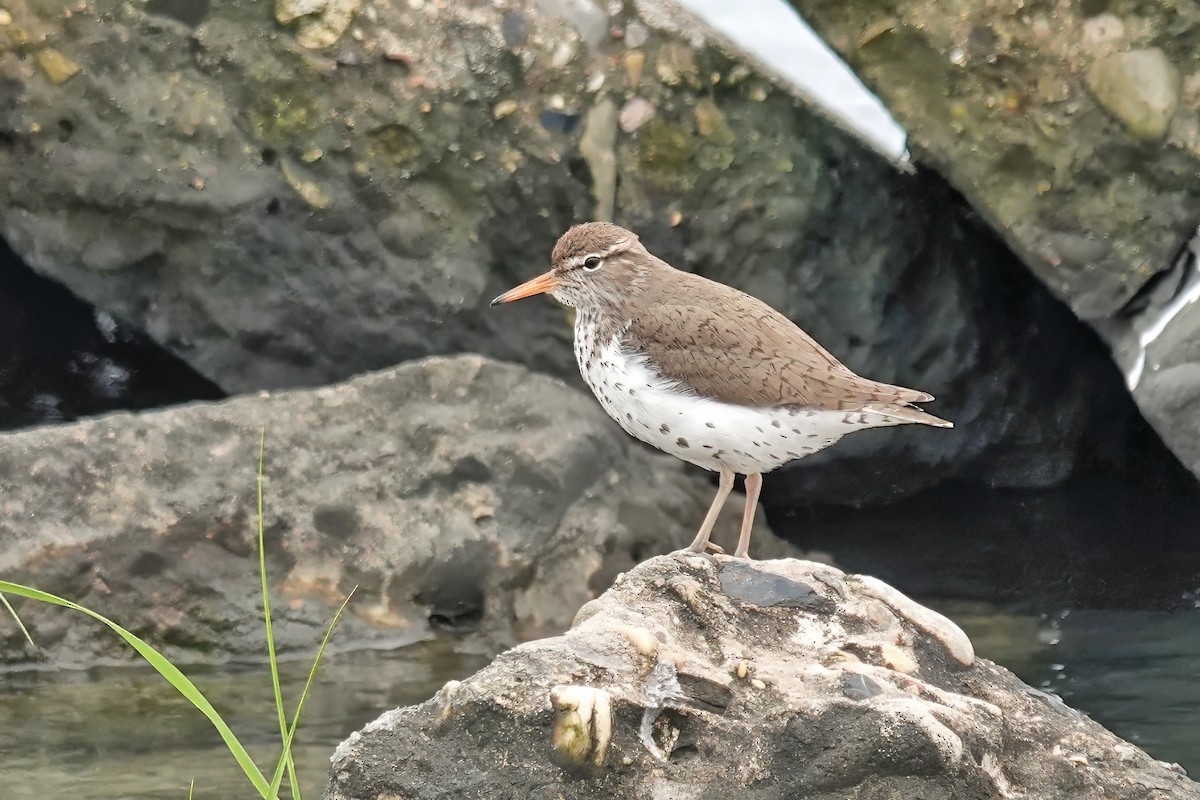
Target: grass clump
[267, 788]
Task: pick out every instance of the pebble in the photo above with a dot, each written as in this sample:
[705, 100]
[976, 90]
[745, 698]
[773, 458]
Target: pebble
[897, 658]
[1140, 88]
[642, 640]
[635, 64]
[636, 113]
[1103, 28]
[58, 67]
[636, 35]
[504, 108]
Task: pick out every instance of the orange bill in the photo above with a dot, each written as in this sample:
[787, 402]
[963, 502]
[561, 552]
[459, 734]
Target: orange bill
[542, 283]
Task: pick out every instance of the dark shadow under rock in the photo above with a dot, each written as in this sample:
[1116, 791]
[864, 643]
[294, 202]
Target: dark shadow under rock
[61, 358]
[1034, 394]
[1109, 540]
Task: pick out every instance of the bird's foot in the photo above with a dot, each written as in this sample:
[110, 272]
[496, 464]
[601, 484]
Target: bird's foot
[716, 548]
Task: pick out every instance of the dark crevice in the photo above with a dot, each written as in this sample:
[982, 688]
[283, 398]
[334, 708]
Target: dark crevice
[1118, 531]
[189, 12]
[62, 359]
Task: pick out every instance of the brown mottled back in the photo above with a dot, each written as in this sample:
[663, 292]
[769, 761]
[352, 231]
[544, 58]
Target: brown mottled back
[737, 349]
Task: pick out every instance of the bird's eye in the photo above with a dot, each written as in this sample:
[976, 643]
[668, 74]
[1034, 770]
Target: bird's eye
[592, 263]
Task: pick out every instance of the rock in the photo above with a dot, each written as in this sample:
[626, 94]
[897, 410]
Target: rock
[740, 699]
[953, 318]
[456, 494]
[1059, 126]
[321, 22]
[1140, 88]
[456, 142]
[1155, 342]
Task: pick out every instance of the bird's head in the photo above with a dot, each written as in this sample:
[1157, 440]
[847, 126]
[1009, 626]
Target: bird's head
[592, 264]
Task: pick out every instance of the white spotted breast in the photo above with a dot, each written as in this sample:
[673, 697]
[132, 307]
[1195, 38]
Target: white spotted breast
[703, 431]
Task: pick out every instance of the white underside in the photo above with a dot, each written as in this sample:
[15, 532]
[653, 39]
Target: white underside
[706, 432]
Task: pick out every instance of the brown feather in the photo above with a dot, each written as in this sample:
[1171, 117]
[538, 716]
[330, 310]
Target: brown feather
[586, 239]
[737, 349]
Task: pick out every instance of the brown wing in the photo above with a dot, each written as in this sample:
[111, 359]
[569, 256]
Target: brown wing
[740, 350]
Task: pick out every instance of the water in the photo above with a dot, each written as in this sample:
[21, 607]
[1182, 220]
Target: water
[122, 732]
[1133, 671]
[1136, 673]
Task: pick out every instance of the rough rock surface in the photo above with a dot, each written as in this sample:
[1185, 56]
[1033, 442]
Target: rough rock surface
[776, 679]
[1072, 127]
[280, 213]
[457, 494]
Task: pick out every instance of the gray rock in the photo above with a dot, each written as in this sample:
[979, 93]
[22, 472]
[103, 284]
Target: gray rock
[667, 686]
[1155, 342]
[1060, 128]
[280, 215]
[456, 494]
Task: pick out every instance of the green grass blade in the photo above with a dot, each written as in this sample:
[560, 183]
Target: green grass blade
[286, 756]
[191, 788]
[20, 624]
[281, 711]
[169, 671]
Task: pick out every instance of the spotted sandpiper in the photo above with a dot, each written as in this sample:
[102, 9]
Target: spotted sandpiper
[703, 371]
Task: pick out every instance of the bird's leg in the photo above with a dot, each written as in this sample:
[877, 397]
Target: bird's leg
[753, 485]
[724, 487]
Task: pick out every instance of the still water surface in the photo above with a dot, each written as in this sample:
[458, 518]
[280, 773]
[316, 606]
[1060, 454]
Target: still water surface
[124, 733]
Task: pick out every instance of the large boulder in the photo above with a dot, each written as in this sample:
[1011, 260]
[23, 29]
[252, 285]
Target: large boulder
[291, 199]
[1072, 128]
[456, 494]
[707, 677]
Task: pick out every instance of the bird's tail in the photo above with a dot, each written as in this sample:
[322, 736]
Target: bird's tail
[907, 414]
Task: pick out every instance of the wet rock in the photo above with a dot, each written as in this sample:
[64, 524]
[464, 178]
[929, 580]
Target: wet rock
[811, 709]
[1059, 124]
[1155, 342]
[1140, 88]
[743, 581]
[459, 495]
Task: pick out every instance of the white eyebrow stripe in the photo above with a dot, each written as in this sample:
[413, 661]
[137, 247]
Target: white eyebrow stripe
[578, 261]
